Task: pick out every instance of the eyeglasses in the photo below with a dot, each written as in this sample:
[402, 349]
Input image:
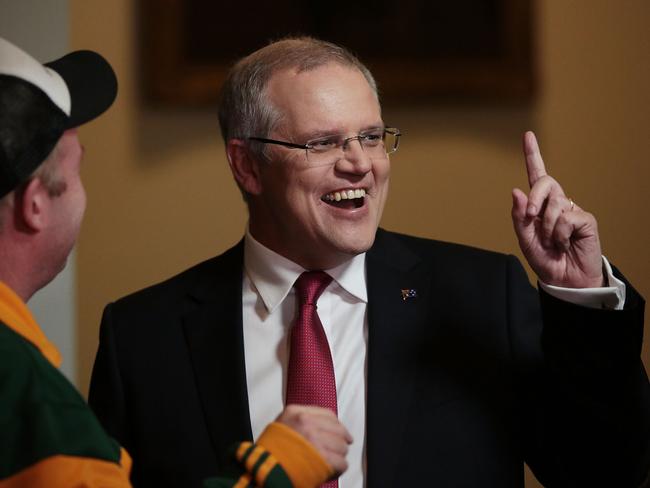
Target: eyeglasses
[376, 143]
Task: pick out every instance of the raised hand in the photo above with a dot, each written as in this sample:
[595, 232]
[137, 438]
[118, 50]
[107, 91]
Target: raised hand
[322, 428]
[559, 239]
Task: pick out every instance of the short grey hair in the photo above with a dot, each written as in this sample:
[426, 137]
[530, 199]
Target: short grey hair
[49, 172]
[244, 109]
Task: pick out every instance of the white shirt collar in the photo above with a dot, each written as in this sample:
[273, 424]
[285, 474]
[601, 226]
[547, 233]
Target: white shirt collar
[273, 275]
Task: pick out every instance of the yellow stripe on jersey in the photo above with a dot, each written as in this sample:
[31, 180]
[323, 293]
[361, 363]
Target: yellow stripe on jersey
[265, 468]
[71, 471]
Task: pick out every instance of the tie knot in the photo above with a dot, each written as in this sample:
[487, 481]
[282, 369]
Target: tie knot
[310, 285]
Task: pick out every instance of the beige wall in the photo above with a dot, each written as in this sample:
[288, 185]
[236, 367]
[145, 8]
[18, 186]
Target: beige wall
[161, 197]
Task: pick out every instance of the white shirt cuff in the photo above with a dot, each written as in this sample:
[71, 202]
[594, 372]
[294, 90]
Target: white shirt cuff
[611, 297]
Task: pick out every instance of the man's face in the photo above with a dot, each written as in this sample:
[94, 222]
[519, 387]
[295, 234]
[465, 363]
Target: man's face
[67, 209]
[294, 212]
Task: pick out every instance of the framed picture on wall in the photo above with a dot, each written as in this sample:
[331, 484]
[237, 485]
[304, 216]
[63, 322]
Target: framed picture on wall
[417, 49]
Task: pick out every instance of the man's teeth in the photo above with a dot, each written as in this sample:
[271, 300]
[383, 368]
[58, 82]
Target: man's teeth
[337, 196]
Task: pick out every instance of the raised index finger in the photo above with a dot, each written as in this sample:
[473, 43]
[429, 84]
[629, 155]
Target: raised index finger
[534, 162]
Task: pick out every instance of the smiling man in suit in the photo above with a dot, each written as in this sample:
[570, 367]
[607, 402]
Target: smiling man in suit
[445, 365]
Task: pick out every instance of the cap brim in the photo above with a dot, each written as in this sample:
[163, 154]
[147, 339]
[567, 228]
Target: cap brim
[91, 82]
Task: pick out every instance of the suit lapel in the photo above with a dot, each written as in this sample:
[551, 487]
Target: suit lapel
[398, 304]
[213, 329]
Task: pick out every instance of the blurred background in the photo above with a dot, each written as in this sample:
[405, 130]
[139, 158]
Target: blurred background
[161, 197]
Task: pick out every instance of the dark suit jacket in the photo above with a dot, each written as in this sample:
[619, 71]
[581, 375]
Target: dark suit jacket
[464, 381]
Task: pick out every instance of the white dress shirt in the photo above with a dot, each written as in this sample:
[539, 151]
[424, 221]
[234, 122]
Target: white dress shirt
[269, 308]
[612, 296]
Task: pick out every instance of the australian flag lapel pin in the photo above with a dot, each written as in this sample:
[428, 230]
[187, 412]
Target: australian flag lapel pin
[409, 293]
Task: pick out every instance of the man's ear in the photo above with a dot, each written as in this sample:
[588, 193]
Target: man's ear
[31, 205]
[244, 167]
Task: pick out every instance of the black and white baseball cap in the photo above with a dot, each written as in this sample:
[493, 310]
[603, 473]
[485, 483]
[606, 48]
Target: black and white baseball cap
[38, 102]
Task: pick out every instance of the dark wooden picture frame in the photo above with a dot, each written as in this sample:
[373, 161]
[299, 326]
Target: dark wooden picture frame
[417, 49]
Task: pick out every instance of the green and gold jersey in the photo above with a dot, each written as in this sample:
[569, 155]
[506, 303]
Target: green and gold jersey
[49, 437]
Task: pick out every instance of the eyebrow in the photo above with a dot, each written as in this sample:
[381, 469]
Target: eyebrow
[326, 133]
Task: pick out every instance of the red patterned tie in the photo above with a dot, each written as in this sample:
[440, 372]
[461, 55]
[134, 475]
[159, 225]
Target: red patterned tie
[310, 379]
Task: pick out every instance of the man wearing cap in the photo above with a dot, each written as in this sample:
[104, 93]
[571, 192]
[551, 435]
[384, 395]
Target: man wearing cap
[48, 435]
[445, 365]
